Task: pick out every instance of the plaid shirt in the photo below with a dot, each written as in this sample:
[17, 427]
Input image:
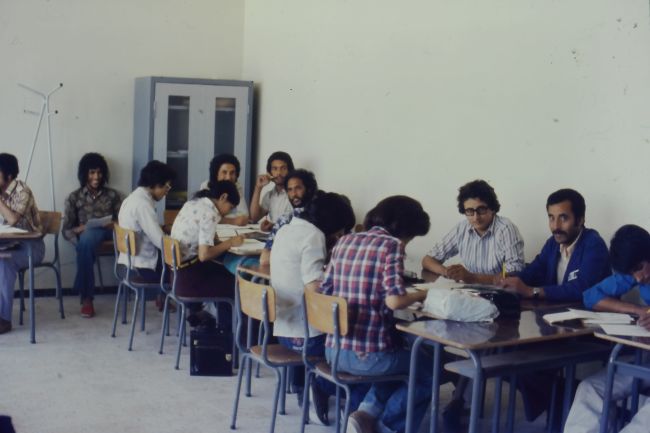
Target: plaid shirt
[284, 220]
[366, 268]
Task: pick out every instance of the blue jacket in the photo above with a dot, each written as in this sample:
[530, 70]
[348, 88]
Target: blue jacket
[614, 287]
[589, 264]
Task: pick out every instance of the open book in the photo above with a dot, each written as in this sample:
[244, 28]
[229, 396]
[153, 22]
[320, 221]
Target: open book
[589, 317]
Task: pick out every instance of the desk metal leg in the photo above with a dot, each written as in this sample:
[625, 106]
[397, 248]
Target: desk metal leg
[32, 315]
[496, 414]
[568, 390]
[512, 402]
[634, 406]
[476, 392]
[411, 386]
[607, 398]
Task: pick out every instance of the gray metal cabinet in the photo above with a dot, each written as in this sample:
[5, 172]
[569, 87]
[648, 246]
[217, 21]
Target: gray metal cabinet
[185, 122]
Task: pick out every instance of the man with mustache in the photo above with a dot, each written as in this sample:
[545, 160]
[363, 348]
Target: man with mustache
[572, 260]
[275, 202]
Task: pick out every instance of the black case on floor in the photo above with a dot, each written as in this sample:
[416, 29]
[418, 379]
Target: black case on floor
[211, 352]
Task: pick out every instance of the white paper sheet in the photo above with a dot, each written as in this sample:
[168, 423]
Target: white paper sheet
[94, 223]
[250, 246]
[7, 229]
[591, 317]
[626, 330]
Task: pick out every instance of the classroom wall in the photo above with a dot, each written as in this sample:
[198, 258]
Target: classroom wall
[380, 97]
[97, 48]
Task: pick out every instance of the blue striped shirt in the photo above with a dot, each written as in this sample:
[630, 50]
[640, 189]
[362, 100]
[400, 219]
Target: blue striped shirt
[502, 243]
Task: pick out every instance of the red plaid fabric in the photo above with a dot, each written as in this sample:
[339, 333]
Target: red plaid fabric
[364, 269]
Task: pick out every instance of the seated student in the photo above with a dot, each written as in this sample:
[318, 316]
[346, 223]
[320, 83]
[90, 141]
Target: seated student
[297, 265]
[301, 187]
[366, 269]
[17, 209]
[275, 202]
[92, 200]
[485, 241]
[630, 256]
[138, 213]
[572, 260]
[195, 228]
[226, 167]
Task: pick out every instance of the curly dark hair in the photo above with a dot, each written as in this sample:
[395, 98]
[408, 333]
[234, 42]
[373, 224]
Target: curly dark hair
[156, 173]
[578, 206]
[308, 179]
[629, 248]
[8, 165]
[478, 189]
[329, 212]
[221, 159]
[281, 156]
[217, 189]
[92, 161]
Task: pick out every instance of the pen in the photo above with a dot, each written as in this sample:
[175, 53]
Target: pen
[503, 271]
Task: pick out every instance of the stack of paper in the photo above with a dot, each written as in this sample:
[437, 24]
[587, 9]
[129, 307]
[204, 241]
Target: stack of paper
[591, 317]
[249, 247]
[626, 330]
[7, 229]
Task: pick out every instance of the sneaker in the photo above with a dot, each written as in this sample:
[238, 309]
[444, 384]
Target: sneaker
[361, 422]
[5, 326]
[87, 308]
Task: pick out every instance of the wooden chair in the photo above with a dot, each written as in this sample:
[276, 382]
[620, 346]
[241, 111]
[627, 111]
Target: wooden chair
[257, 302]
[105, 249]
[51, 222]
[169, 216]
[172, 260]
[125, 243]
[329, 314]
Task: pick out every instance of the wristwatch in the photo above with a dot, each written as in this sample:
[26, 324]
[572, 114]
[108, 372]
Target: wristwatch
[536, 292]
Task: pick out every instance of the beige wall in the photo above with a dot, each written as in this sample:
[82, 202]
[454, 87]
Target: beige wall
[97, 48]
[382, 97]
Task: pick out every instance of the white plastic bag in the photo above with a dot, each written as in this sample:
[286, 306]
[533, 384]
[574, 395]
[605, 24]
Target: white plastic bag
[461, 305]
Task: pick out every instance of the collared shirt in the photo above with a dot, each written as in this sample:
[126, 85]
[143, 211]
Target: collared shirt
[19, 198]
[614, 286]
[279, 224]
[365, 268]
[81, 206]
[298, 258]
[565, 256]
[276, 203]
[242, 207]
[500, 244]
[195, 224]
[138, 213]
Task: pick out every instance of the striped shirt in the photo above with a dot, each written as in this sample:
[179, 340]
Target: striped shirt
[500, 244]
[365, 268]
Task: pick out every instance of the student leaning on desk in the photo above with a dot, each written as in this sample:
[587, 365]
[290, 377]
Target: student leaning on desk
[17, 209]
[226, 167]
[630, 257]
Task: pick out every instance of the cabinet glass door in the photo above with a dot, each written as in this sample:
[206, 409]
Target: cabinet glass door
[178, 122]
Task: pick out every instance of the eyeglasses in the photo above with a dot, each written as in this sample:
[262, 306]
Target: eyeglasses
[481, 210]
[167, 186]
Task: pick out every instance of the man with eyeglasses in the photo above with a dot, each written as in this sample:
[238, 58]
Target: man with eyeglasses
[486, 242]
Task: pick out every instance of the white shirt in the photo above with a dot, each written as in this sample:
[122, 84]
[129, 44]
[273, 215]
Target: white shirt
[276, 203]
[298, 258]
[195, 224]
[138, 213]
[242, 207]
[565, 256]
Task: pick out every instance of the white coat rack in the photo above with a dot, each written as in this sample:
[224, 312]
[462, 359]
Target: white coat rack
[44, 113]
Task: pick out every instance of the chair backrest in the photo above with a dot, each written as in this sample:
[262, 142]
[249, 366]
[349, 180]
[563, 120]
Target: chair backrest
[169, 215]
[51, 222]
[319, 311]
[121, 235]
[171, 247]
[250, 299]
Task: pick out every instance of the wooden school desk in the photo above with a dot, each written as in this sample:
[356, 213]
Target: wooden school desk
[474, 338]
[20, 237]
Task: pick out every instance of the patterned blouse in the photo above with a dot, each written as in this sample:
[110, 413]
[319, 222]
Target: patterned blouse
[81, 205]
[196, 224]
[19, 198]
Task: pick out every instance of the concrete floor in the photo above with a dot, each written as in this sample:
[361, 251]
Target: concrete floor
[76, 378]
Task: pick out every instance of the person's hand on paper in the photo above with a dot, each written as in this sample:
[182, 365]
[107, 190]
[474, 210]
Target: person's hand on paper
[459, 273]
[644, 319]
[266, 225]
[236, 241]
[516, 285]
